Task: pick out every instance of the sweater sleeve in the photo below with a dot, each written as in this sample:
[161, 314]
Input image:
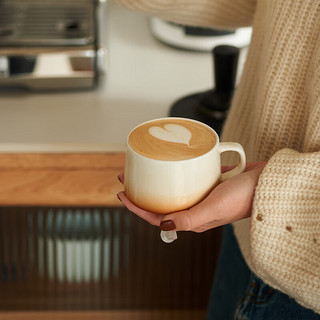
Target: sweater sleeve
[285, 226]
[206, 13]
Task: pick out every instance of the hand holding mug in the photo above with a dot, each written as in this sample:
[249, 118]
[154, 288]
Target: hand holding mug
[173, 164]
[230, 201]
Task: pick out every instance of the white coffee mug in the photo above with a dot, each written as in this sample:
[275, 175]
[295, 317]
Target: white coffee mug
[163, 186]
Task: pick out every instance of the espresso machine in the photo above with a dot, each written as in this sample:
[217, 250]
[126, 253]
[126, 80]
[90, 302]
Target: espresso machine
[51, 44]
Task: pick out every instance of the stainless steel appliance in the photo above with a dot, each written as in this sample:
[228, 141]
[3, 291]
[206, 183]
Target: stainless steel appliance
[51, 44]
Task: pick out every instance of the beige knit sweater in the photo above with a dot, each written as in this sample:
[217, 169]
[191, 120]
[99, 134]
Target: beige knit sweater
[276, 117]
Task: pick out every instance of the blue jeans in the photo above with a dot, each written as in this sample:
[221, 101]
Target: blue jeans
[238, 294]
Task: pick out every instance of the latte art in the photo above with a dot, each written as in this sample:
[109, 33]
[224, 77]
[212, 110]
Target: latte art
[172, 139]
[172, 133]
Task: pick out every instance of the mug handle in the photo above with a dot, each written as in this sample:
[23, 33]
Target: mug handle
[233, 146]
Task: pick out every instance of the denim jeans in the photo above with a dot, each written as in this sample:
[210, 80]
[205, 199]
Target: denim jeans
[238, 294]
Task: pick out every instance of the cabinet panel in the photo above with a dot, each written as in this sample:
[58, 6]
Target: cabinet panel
[100, 258]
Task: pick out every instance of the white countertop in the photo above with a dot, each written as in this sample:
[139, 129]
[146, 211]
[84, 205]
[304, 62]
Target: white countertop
[144, 78]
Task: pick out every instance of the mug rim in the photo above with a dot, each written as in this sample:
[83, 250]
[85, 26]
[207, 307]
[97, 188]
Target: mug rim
[174, 118]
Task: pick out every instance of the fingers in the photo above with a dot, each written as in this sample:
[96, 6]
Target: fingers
[121, 177]
[150, 217]
[228, 202]
[249, 166]
[226, 168]
[198, 218]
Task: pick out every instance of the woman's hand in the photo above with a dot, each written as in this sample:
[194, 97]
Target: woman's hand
[228, 202]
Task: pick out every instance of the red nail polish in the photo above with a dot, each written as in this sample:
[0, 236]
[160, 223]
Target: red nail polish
[167, 225]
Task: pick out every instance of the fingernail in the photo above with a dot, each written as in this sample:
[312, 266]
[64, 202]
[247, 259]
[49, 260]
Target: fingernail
[119, 178]
[118, 197]
[167, 225]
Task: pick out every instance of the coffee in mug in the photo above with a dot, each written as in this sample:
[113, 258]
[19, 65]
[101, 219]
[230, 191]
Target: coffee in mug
[173, 164]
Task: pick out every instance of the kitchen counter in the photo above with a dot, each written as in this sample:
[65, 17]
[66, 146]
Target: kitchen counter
[66, 148]
[143, 79]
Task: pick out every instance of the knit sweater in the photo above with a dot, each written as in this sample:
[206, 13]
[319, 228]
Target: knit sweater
[275, 115]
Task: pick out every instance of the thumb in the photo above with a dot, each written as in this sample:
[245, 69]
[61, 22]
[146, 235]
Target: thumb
[199, 218]
[228, 202]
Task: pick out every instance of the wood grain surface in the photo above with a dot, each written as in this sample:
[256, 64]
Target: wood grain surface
[60, 179]
[107, 315]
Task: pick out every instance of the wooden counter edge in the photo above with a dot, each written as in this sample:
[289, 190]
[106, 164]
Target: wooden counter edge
[106, 315]
[60, 179]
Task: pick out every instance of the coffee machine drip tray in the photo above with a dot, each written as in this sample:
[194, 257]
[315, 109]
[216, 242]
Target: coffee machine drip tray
[51, 70]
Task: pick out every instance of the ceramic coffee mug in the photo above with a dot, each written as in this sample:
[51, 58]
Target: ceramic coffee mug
[173, 163]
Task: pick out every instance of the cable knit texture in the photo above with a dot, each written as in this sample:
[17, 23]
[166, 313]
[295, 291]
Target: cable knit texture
[275, 115]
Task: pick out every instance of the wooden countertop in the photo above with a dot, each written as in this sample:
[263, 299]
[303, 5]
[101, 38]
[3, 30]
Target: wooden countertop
[60, 179]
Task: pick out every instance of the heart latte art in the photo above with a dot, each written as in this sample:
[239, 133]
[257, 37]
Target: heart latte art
[172, 139]
[172, 133]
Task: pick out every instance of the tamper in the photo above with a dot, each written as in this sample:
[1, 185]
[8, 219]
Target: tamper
[211, 106]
